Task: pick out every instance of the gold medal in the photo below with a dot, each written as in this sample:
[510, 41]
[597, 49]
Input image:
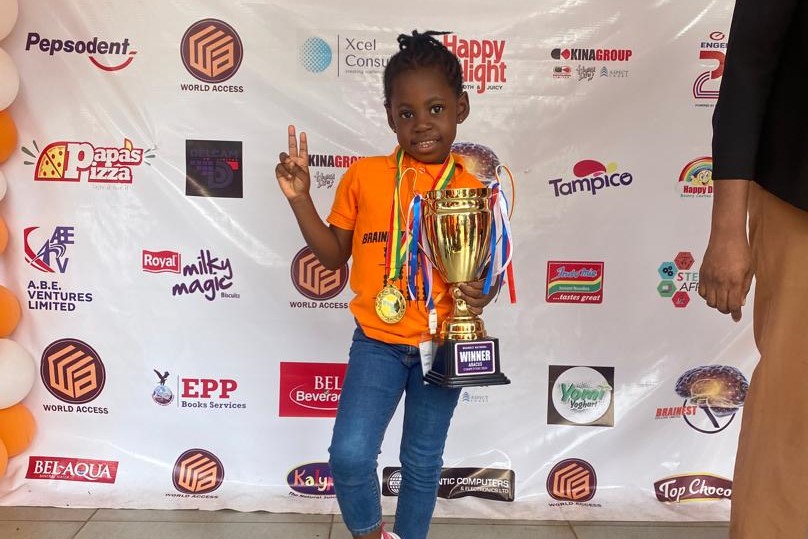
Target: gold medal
[390, 304]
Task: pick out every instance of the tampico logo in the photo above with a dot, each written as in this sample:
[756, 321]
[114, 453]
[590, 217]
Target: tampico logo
[118, 50]
[72, 371]
[482, 60]
[310, 389]
[51, 256]
[313, 280]
[162, 394]
[696, 178]
[572, 480]
[678, 282]
[488, 483]
[581, 396]
[311, 480]
[65, 161]
[707, 83]
[574, 282]
[198, 471]
[161, 261]
[211, 50]
[214, 168]
[591, 177]
[693, 488]
[315, 54]
[72, 469]
[713, 395]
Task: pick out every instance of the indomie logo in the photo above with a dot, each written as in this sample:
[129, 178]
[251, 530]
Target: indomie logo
[592, 176]
[51, 256]
[483, 68]
[574, 282]
[572, 480]
[211, 50]
[198, 471]
[72, 371]
[314, 280]
[81, 161]
[312, 479]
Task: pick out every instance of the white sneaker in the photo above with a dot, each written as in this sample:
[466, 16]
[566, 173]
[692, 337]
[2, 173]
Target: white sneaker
[389, 535]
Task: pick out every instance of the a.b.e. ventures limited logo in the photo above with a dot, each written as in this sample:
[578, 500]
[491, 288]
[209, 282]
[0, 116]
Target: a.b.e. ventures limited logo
[72, 469]
[581, 396]
[316, 282]
[482, 60]
[574, 282]
[214, 168]
[48, 253]
[103, 54]
[197, 473]
[211, 51]
[713, 395]
[72, 371]
[310, 389]
[590, 177]
[311, 480]
[696, 178]
[700, 487]
[496, 484]
[572, 481]
[707, 83]
[678, 281]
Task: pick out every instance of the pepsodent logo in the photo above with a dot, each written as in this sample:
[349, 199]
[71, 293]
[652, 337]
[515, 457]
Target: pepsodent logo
[482, 60]
[103, 54]
[211, 52]
[66, 161]
[72, 371]
[311, 480]
[678, 281]
[198, 471]
[581, 396]
[707, 83]
[572, 480]
[314, 281]
[591, 177]
[696, 178]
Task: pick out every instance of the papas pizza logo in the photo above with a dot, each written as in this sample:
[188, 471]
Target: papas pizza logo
[198, 471]
[211, 51]
[103, 54]
[572, 480]
[65, 161]
[310, 389]
[591, 177]
[482, 60]
[574, 282]
[72, 371]
[316, 282]
[696, 178]
[72, 469]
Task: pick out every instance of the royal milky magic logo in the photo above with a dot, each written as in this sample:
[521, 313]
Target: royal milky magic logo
[106, 55]
[208, 276]
[592, 178]
[711, 60]
[482, 60]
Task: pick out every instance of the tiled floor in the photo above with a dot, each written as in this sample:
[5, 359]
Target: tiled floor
[50, 523]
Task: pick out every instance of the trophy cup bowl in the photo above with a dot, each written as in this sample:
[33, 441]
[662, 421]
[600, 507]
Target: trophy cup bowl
[457, 228]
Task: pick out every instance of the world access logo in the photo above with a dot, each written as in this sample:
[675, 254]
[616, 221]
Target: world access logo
[590, 177]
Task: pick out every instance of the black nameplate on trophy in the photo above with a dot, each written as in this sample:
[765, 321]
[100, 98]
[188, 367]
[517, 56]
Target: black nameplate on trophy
[467, 363]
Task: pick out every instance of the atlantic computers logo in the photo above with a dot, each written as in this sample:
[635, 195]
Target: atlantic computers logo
[315, 55]
[211, 50]
[72, 371]
[198, 471]
[314, 280]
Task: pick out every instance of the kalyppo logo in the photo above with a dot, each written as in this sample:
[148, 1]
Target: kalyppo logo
[66, 161]
[310, 389]
[161, 261]
[592, 55]
[311, 480]
[707, 83]
[103, 54]
[211, 51]
[572, 481]
[591, 177]
[574, 282]
[73, 373]
[482, 60]
[316, 282]
[197, 473]
[678, 281]
[581, 396]
[72, 469]
[693, 488]
[496, 484]
[696, 178]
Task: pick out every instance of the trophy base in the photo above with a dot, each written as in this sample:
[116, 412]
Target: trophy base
[467, 364]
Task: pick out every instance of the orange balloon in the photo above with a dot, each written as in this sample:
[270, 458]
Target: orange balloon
[8, 135]
[3, 459]
[17, 429]
[3, 235]
[10, 312]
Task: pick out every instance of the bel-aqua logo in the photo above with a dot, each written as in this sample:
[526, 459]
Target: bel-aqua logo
[591, 177]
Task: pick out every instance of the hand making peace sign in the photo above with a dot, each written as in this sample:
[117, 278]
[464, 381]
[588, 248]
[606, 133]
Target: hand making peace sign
[292, 171]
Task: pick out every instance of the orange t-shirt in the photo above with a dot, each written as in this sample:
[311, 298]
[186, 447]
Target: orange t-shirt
[363, 204]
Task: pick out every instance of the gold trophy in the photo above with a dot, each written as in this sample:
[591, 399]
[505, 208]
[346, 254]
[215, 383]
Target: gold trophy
[457, 228]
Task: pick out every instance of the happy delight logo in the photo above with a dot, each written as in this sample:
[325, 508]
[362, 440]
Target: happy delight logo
[208, 276]
[105, 55]
[310, 389]
[316, 282]
[713, 395]
[591, 177]
[482, 60]
[707, 83]
[678, 281]
[572, 481]
[72, 371]
[574, 282]
[581, 396]
[197, 472]
[696, 178]
[211, 51]
[65, 161]
[214, 168]
[311, 480]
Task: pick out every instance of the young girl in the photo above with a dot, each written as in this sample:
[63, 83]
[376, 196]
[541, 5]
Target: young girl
[424, 98]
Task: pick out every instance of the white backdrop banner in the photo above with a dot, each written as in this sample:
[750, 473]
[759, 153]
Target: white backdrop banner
[192, 349]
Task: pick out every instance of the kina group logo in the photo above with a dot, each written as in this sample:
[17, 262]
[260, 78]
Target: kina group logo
[678, 281]
[574, 282]
[591, 177]
[66, 161]
[48, 254]
[707, 83]
[310, 389]
[198, 471]
[211, 51]
[103, 54]
[214, 168]
[72, 371]
[696, 178]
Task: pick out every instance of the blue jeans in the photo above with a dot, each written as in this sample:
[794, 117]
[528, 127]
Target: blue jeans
[378, 374]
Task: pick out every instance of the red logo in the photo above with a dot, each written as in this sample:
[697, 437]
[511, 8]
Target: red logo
[574, 282]
[198, 472]
[72, 469]
[310, 389]
[572, 480]
[161, 261]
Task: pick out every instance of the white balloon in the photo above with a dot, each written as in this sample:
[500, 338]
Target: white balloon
[9, 80]
[9, 9]
[17, 373]
[3, 186]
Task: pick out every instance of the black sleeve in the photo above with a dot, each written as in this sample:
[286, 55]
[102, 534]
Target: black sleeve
[758, 30]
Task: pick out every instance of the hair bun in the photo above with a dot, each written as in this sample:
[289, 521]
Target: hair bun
[419, 39]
